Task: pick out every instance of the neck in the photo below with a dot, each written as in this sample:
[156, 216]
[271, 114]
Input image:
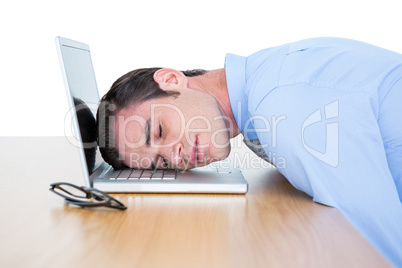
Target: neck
[214, 83]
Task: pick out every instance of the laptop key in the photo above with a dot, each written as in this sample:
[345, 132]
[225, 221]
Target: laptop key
[135, 175]
[115, 174]
[169, 174]
[146, 175]
[157, 175]
[124, 174]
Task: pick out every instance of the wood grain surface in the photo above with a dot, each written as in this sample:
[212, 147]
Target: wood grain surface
[273, 225]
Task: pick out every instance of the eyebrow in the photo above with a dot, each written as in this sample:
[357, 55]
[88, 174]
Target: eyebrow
[147, 132]
[148, 140]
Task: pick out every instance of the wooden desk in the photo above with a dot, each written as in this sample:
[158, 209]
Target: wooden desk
[274, 225]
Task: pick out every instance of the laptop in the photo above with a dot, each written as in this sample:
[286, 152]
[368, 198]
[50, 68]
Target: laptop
[83, 100]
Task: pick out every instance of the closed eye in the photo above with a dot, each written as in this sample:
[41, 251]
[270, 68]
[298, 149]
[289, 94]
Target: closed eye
[160, 130]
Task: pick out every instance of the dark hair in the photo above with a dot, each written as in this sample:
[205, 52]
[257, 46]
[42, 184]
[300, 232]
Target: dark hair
[132, 88]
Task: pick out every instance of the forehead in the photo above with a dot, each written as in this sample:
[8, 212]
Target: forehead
[130, 128]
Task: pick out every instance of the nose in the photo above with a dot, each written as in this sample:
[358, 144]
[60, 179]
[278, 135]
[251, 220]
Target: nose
[177, 154]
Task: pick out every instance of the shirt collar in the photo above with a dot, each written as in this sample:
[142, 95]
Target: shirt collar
[235, 68]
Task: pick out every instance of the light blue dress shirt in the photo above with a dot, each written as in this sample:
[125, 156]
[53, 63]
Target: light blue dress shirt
[328, 112]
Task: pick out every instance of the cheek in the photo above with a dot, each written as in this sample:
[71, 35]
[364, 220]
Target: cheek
[172, 118]
[173, 130]
[218, 154]
[197, 125]
[220, 145]
[220, 140]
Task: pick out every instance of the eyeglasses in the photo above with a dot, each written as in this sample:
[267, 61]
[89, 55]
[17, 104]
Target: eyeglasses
[84, 196]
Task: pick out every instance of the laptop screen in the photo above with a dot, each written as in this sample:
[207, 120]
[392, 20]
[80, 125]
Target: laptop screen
[85, 99]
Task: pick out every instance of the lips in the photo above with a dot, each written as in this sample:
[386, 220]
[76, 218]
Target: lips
[196, 155]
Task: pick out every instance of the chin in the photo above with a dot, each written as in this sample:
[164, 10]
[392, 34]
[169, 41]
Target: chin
[220, 154]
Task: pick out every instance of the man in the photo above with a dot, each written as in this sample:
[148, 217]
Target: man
[328, 108]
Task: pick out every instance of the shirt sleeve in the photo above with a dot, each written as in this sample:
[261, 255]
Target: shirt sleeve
[327, 143]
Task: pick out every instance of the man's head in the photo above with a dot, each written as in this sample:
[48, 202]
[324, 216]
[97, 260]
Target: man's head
[152, 117]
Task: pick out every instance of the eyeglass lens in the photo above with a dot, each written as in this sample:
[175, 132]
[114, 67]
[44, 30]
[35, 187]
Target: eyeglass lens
[70, 191]
[83, 196]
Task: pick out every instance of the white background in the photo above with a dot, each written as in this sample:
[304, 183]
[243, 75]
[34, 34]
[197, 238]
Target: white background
[124, 35]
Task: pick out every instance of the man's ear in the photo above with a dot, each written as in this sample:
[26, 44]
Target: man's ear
[170, 78]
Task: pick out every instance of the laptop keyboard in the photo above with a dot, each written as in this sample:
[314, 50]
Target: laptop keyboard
[137, 174]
